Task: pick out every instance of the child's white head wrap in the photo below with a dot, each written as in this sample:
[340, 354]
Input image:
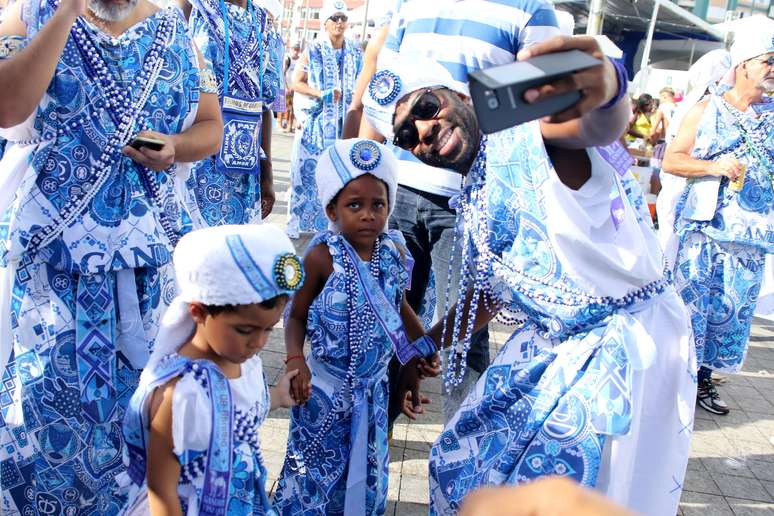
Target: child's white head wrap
[346, 160]
[227, 265]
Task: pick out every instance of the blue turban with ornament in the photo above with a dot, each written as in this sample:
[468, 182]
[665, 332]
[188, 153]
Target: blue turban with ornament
[346, 160]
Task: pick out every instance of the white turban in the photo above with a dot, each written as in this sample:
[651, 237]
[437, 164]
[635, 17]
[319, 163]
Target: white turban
[397, 76]
[704, 74]
[331, 7]
[226, 265]
[346, 160]
[756, 39]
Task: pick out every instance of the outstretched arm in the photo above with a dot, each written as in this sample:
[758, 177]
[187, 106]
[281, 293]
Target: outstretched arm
[590, 122]
[25, 76]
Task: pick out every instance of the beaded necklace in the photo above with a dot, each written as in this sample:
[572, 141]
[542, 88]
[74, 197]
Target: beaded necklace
[472, 213]
[124, 112]
[237, 53]
[360, 328]
[754, 142]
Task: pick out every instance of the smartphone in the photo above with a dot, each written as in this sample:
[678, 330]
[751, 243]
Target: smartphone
[498, 92]
[143, 141]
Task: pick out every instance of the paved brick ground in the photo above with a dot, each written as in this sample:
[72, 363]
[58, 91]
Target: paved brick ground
[731, 470]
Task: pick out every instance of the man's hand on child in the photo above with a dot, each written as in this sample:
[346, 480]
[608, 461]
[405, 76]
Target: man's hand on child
[301, 382]
[408, 389]
[408, 407]
[429, 367]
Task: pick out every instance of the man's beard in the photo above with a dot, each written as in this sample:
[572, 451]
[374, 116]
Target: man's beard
[767, 86]
[109, 11]
[465, 121]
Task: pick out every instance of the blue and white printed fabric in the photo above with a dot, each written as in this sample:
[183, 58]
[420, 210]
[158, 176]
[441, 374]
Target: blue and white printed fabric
[746, 217]
[227, 197]
[721, 257]
[337, 457]
[566, 395]
[719, 282]
[85, 308]
[194, 417]
[328, 68]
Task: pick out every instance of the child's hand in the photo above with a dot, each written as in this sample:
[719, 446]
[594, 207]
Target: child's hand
[281, 395]
[301, 383]
[429, 367]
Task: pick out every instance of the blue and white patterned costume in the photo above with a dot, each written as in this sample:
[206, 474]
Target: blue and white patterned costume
[86, 248]
[328, 68]
[721, 257]
[565, 394]
[233, 197]
[194, 415]
[337, 455]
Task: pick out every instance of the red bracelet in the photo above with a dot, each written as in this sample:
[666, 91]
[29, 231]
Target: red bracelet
[293, 358]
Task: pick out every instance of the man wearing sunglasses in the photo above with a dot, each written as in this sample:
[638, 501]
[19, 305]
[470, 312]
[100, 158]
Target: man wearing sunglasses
[725, 220]
[595, 383]
[326, 72]
[464, 36]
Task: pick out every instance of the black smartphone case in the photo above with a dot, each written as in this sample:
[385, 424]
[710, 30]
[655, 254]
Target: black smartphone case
[498, 92]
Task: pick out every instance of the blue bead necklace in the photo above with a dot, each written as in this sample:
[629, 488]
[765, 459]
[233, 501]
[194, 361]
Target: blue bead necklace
[360, 328]
[119, 104]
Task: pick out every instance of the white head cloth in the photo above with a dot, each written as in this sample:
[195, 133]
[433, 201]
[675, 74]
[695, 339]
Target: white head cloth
[398, 76]
[226, 265]
[331, 7]
[704, 74]
[756, 39]
[349, 159]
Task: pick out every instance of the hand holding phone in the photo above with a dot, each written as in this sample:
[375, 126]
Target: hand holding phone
[598, 84]
[152, 150]
[505, 96]
[139, 142]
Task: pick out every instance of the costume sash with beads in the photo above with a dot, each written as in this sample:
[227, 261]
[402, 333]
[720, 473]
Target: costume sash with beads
[384, 311]
[125, 114]
[218, 465]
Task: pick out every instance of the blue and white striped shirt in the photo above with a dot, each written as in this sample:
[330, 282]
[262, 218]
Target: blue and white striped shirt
[464, 36]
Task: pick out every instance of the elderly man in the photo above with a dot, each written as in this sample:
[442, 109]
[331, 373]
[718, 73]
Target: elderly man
[87, 239]
[327, 72]
[726, 216]
[553, 243]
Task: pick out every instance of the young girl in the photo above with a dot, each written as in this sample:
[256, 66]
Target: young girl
[192, 425]
[353, 309]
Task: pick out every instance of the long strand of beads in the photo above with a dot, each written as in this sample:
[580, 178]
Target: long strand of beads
[149, 74]
[359, 333]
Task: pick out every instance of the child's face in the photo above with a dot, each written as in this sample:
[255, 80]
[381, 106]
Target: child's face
[360, 210]
[238, 335]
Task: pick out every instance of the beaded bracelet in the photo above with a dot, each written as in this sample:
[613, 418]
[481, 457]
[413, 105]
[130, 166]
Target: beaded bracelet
[293, 358]
[623, 83]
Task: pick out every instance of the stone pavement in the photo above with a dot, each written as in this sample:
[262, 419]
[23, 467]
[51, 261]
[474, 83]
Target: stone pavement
[730, 472]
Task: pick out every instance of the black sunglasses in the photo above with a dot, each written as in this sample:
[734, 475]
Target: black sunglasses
[426, 106]
[336, 18]
[767, 61]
